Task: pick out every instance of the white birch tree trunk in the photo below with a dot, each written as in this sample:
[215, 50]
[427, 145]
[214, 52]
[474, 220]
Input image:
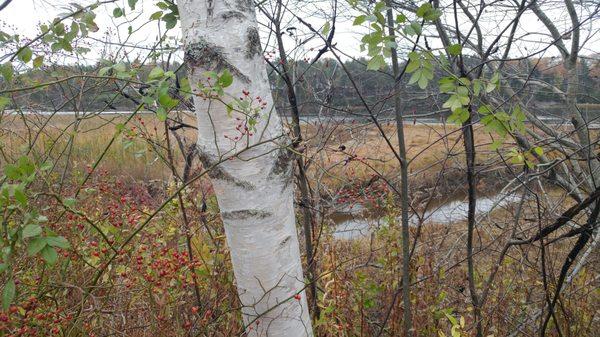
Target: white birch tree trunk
[255, 189]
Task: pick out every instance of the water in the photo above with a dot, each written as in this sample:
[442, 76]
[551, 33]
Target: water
[356, 225]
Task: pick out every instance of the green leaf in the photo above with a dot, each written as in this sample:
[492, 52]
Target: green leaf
[4, 101]
[427, 71]
[72, 34]
[69, 202]
[494, 124]
[6, 251]
[120, 67]
[8, 294]
[538, 150]
[12, 172]
[117, 12]
[423, 82]
[36, 245]
[161, 114]
[49, 255]
[485, 109]
[447, 84]
[496, 78]
[391, 44]
[408, 30]
[454, 49]
[66, 45]
[326, 28]
[25, 54]
[38, 61]
[359, 20]
[453, 103]
[156, 73]
[376, 63]
[422, 10]
[83, 29]
[462, 91]
[414, 56]
[58, 241]
[167, 101]
[20, 196]
[31, 231]
[170, 19]
[518, 114]
[3, 267]
[185, 87]
[459, 115]
[26, 165]
[103, 71]
[494, 83]
[416, 76]
[56, 46]
[379, 7]
[58, 29]
[132, 3]
[7, 71]
[416, 27]
[452, 319]
[156, 15]
[477, 86]
[225, 79]
[413, 65]
[496, 144]
[92, 26]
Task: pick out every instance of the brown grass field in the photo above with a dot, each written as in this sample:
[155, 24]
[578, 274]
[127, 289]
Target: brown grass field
[148, 288]
[428, 146]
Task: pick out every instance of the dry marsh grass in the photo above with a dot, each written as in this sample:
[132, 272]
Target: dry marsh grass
[138, 152]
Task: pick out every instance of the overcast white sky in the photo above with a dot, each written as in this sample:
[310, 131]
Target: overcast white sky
[24, 16]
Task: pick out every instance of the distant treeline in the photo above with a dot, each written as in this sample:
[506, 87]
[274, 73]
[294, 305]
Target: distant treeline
[323, 87]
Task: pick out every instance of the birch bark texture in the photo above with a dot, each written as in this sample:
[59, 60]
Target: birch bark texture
[254, 189]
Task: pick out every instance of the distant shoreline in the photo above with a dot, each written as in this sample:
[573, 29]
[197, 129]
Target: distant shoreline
[305, 119]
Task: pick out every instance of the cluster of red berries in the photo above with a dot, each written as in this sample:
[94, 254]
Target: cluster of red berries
[269, 55]
[161, 266]
[32, 319]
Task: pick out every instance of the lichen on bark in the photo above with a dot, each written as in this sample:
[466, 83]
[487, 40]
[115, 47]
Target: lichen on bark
[219, 173]
[282, 167]
[245, 214]
[284, 241]
[283, 163]
[232, 15]
[253, 47]
[245, 5]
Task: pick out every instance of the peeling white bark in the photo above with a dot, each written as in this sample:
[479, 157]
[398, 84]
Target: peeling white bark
[254, 192]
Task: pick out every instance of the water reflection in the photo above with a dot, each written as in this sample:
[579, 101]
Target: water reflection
[354, 225]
